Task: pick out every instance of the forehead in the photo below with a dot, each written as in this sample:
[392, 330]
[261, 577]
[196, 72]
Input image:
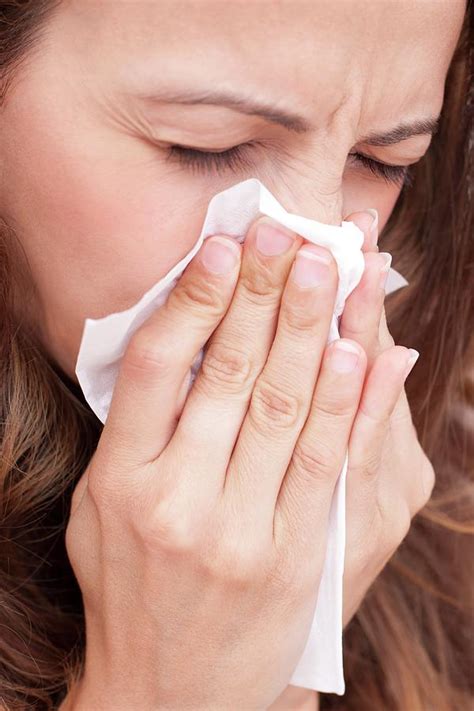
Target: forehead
[319, 52]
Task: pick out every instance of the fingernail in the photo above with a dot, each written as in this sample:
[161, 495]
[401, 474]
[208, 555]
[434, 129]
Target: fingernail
[219, 255]
[374, 227]
[311, 267]
[344, 356]
[413, 357]
[385, 268]
[272, 238]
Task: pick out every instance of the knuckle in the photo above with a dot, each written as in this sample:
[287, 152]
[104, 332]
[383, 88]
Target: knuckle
[260, 287]
[97, 489]
[315, 461]
[144, 355]
[334, 410]
[169, 529]
[237, 563]
[357, 328]
[102, 486]
[380, 421]
[367, 469]
[224, 367]
[192, 294]
[297, 320]
[271, 407]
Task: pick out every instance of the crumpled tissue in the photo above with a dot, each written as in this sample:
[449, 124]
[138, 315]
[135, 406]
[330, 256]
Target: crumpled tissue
[104, 341]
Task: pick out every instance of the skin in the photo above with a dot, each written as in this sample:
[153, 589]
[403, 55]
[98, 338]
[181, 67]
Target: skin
[96, 239]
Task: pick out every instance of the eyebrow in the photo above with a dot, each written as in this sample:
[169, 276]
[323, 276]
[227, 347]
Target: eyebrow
[288, 120]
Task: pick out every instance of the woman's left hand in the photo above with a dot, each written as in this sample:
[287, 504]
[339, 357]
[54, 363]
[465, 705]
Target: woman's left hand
[389, 477]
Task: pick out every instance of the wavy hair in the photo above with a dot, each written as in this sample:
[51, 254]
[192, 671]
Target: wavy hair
[406, 649]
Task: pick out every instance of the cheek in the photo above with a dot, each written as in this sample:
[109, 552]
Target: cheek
[98, 228]
[361, 192]
[99, 218]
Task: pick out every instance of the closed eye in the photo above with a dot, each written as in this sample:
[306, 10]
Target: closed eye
[238, 158]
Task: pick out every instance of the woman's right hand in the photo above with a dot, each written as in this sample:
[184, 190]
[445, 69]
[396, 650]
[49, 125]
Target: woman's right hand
[198, 532]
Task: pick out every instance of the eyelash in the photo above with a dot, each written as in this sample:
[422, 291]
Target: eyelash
[235, 158]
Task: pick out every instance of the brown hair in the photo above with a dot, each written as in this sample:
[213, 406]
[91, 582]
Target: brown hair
[406, 649]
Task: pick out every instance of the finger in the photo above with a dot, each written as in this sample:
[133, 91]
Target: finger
[143, 408]
[403, 429]
[182, 397]
[283, 392]
[306, 492]
[217, 404]
[416, 479]
[367, 221]
[385, 337]
[363, 309]
[371, 426]
[401, 411]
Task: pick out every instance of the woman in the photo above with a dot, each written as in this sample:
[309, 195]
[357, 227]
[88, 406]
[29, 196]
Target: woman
[112, 114]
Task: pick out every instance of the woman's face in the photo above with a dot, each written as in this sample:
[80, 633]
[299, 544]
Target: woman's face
[101, 208]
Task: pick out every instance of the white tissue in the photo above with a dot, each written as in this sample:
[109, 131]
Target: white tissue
[104, 341]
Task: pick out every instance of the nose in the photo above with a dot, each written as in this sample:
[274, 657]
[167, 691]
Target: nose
[317, 198]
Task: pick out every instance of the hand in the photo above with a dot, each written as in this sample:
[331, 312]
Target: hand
[223, 501]
[189, 527]
[389, 477]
